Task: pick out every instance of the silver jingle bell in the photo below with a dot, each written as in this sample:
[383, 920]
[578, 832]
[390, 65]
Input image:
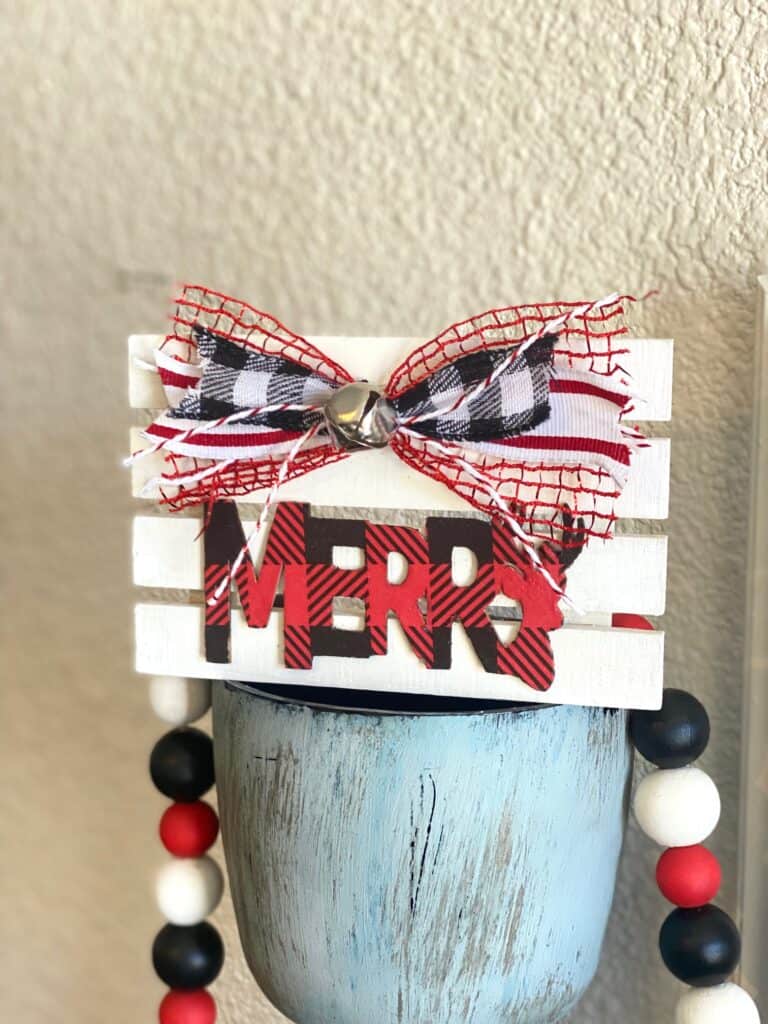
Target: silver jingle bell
[360, 416]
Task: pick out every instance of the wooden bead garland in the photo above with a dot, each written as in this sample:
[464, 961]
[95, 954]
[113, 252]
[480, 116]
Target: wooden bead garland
[678, 806]
[187, 953]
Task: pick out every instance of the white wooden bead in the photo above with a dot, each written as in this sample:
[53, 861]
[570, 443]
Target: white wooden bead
[188, 889]
[179, 701]
[677, 806]
[722, 1003]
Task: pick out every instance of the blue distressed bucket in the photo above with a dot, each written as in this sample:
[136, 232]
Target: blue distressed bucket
[414, 860]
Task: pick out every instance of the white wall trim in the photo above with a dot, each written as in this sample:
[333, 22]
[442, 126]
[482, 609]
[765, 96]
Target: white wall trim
[753, 845]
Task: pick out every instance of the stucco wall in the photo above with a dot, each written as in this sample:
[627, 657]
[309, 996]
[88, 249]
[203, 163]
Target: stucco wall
[379, 167]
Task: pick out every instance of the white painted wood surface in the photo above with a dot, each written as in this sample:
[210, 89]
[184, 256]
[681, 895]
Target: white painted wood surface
[595, 666]
[379, 479]
[753, 846]
[626, 574]
[648, 362]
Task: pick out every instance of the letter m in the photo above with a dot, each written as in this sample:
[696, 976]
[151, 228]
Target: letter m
[224, 539]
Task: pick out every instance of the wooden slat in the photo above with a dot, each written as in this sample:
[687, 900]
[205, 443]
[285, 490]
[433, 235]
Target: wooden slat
[626, 574]
[595, 667]
[649, 363]
[390, 484]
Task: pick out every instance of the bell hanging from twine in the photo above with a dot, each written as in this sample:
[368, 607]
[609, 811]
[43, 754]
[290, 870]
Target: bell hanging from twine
[360, 416]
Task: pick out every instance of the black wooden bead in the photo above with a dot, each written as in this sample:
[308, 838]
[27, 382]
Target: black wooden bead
[187, 957]
[701, 946]
[674, 735]
[181, 764]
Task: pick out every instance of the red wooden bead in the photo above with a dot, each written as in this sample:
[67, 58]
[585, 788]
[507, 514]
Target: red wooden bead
[188, 830]
[196, 1007]
[689, 876]
[622, 620]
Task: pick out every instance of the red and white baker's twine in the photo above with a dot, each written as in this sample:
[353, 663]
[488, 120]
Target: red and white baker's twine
[503, 508]
[268, 502]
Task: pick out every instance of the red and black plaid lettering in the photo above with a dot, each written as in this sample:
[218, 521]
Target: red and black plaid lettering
[427, 601]
[422, 642]
[378, 639]
[324, 583]
[216, 595]
[287, 535]
[529, 657]
[297, 647]
[382, 540]
[506, 550]
[449, 602]
[225, 545]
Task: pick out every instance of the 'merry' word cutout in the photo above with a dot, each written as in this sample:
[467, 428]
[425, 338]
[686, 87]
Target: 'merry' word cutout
[426, 602]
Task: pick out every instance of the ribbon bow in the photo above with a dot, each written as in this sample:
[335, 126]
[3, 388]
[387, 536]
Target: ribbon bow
[517, 410]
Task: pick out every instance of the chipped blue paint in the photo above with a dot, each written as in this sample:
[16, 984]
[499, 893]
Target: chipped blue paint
[420, 869]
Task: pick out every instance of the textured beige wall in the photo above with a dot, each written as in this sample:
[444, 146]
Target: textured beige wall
[379, 167]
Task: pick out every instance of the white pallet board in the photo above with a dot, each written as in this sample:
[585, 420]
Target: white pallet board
[595, 666]
[648, 362]
[390, 483]
[626, 574]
